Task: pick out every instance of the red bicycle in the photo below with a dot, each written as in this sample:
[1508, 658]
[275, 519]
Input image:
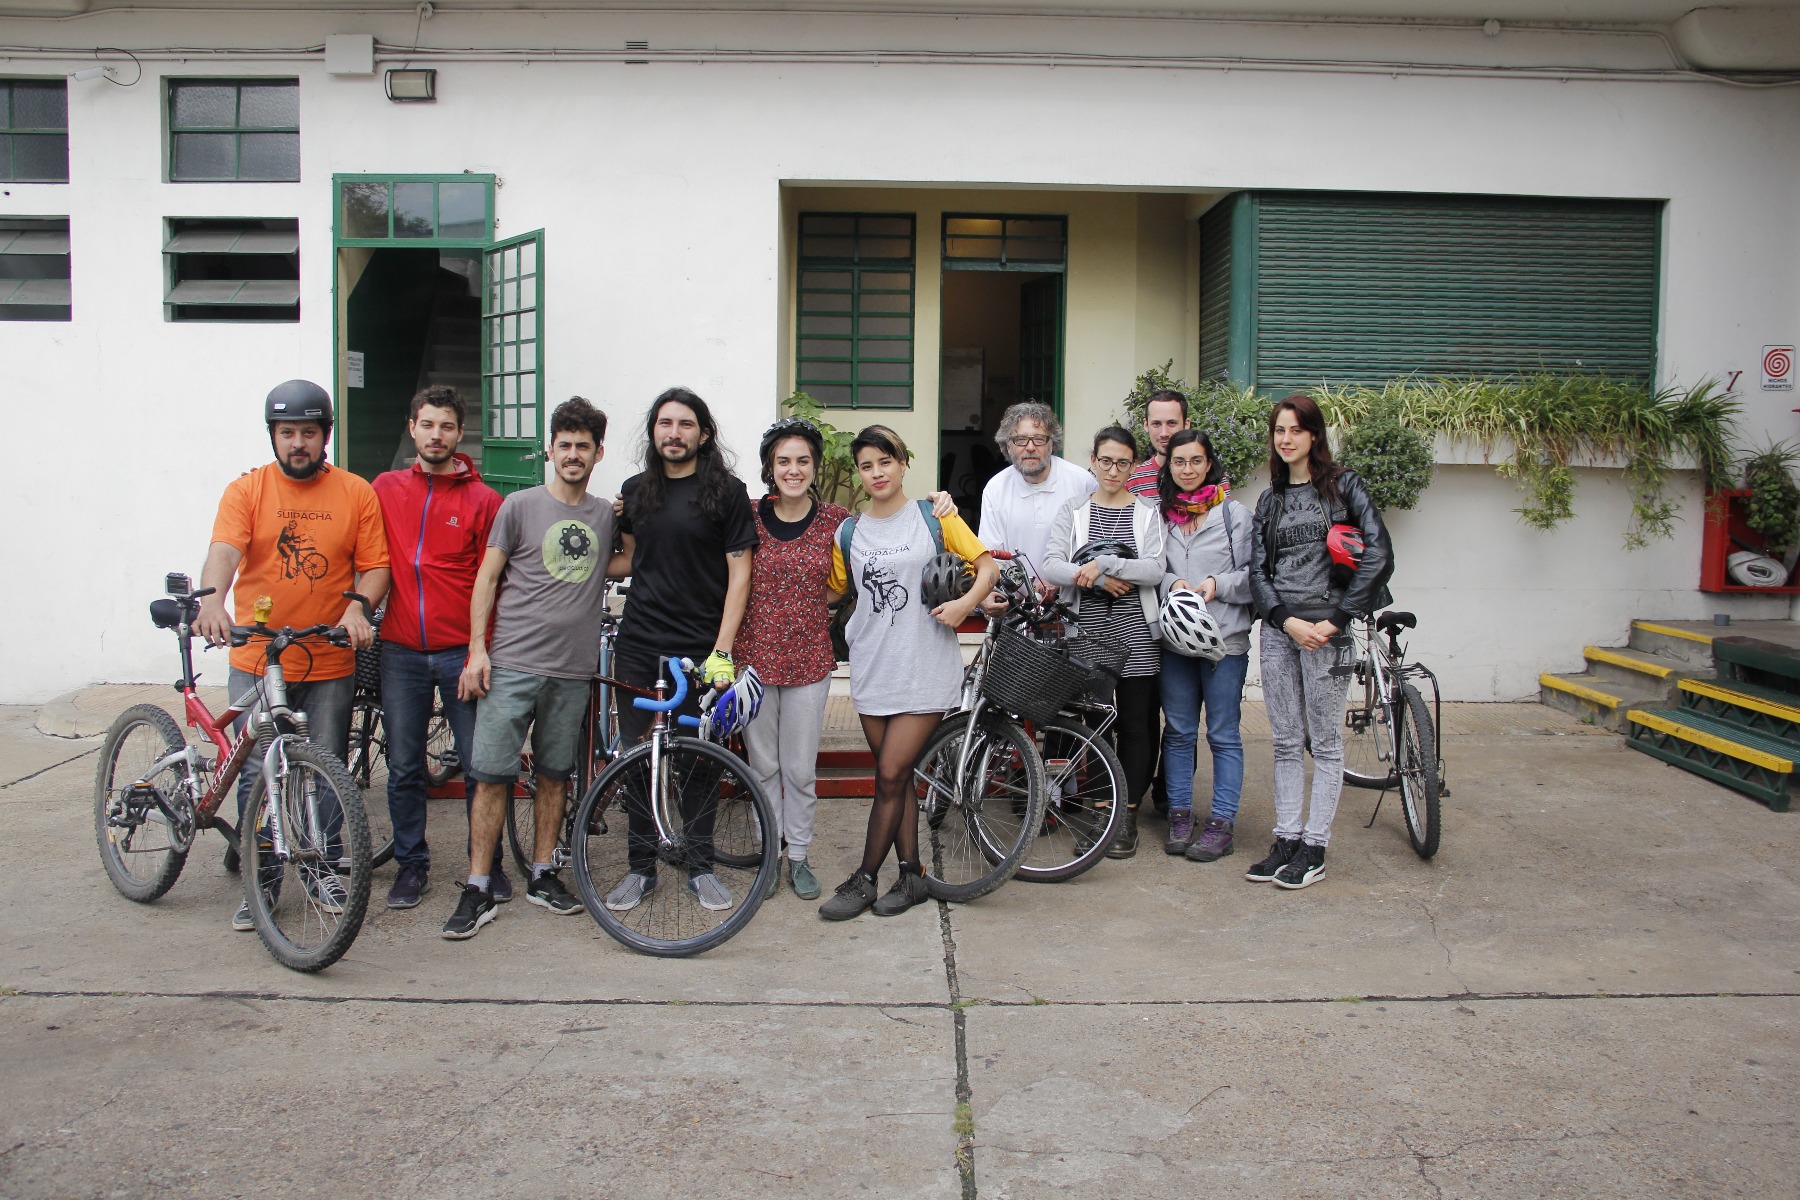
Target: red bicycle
[304, 840]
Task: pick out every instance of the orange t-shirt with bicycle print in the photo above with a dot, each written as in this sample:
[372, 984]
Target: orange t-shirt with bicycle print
[303, 542]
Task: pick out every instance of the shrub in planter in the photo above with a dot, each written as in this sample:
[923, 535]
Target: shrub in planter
[1395, 460]
[1773, 506]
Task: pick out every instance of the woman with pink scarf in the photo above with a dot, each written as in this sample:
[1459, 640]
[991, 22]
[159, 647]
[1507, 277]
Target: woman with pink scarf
[1206, 549]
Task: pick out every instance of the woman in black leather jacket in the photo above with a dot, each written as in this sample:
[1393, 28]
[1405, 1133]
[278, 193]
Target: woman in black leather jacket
[1307, 602]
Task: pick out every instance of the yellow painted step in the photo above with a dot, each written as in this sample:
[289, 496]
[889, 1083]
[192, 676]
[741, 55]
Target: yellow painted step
[1619, 658]
[1557, 683]
[1713, 691]
[1713, 742]
[1686, 635]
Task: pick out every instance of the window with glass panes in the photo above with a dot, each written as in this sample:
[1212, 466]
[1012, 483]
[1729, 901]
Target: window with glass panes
[997, 242]
[510, 338]
[247, 130]
[397, 209]
[232, 269]
[34, 131]
[855, 298]
[34, 269]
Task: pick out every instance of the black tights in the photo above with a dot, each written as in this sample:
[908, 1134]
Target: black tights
[1140, 711]
[894, 820]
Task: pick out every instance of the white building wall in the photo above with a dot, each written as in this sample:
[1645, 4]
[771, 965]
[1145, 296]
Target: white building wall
[659, 187]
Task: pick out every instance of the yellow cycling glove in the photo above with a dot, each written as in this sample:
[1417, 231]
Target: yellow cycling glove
[718, 669]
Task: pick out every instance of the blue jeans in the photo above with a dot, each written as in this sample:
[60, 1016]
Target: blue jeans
[1189, 684]
[409, 680]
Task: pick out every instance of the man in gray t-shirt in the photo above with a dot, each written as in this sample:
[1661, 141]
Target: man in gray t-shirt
[548, 559]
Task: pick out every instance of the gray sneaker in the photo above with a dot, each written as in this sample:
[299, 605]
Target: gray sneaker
[631, 892]
[774, 884]
[709, 892]
[806, 884]
[241, 920]
[1214, 841]
[854, 896]
[908, 890]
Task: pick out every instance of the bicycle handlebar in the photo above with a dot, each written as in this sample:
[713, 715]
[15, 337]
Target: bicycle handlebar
[683, 666]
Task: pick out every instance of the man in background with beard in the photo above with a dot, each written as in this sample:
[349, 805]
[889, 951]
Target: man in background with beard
[303, 533]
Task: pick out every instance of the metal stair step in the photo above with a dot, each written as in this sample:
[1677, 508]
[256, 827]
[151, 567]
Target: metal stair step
[1754, 763]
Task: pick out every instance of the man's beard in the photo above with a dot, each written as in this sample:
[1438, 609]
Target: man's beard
[443, 456]
[682, 452]
[302, 474]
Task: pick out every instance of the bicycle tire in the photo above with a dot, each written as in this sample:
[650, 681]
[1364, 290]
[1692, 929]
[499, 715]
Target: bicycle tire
[441, 761]
[970, 845]
[284, 896]
[368, 766]
[1416, 755]
[1084, 804]
[139, 736]
[669, 922]
[1368, 724]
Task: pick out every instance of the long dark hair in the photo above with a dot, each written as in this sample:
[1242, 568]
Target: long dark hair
[713, 464]
[1319, 466]
[1165, 478]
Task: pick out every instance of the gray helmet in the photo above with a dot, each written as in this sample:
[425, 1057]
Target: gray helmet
[298, 400]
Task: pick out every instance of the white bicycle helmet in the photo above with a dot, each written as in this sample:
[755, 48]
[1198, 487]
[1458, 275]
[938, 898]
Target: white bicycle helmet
[738, 704]
[1748, 569]
[1188, 628]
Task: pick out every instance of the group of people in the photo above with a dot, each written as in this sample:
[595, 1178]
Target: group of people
[493, 610]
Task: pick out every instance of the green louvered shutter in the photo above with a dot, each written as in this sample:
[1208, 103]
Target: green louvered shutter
[1358, 288]
[1215, 290]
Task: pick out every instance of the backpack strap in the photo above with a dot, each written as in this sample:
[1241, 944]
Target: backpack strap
[1230, 541]
[845, 532]
[931, 522]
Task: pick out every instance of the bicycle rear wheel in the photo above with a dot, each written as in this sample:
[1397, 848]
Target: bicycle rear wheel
[1417, 758]
[713, 815]
[1084, 804]
[142, 851]
[1368, 723]
[972, 838]
[308, 903]
[441, 761]
[368, 765]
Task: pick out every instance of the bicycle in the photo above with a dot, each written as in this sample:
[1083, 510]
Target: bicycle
[304, 839]
[368, 751]
[685, 803]
[1391, 735]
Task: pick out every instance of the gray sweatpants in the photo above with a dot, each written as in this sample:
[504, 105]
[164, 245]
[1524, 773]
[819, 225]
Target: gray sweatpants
[1305, 701]
[783, 743]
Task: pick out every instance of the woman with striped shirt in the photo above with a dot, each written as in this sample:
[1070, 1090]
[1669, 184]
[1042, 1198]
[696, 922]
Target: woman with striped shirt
[1114, 592]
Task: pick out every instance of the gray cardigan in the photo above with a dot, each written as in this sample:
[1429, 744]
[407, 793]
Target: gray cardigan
[1193, 554]
[1070, 532]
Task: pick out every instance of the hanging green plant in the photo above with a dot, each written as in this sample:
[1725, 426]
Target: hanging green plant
[1395, 460]
[1773, 506]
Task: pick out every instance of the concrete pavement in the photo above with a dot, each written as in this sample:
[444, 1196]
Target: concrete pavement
[1593, 990]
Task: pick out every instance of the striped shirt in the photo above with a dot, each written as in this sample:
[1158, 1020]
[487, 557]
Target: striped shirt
[1119, 621]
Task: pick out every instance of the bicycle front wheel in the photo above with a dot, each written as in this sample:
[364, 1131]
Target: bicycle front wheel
[1084, 802]
[308, 897]
[676, 865]
[1417, 760]
[973, 834]
[139, 847]
[368, 765]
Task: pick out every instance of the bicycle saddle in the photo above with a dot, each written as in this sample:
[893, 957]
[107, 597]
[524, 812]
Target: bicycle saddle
[1387, 622]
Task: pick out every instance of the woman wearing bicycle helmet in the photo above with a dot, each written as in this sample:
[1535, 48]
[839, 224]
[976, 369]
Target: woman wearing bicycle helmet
[1206, 568]
[786, 636]
[1306, 608]
[1105, 552]
[905, 666]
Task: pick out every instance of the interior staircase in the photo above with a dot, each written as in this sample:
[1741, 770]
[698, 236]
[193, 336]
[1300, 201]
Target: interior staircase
[1725, 706]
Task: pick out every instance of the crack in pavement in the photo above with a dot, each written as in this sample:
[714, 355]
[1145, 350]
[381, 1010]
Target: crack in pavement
[963, 1123]
[45, 771]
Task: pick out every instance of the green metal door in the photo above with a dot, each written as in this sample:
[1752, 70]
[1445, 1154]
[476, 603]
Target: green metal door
[512, 378]
[1040, 341]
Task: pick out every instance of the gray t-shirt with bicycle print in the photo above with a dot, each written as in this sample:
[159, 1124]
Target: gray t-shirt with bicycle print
[901, 660]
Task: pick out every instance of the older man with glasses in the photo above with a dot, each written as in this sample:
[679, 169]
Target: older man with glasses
[1019, 505]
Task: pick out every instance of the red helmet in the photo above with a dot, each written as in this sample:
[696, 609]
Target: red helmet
[1345, 542]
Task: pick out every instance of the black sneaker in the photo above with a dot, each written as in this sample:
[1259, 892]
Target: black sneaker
[410, 885]
[1307, 867]
[854, 896]
[475, 909]
[547, 891]
[1280, 854]
[908, 890]
[500, 885]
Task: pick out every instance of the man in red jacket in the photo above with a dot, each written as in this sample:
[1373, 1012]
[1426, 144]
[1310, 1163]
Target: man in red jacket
[437, 513]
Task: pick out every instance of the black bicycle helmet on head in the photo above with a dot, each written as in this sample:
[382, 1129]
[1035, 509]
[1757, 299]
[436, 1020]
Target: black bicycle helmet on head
[1093, 550]
[298, 400]
[945, 578]
[789, 427]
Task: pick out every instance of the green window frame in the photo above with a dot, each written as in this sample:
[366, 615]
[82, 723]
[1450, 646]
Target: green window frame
[34, 131]
[231, 269]
[413, 210]
[855, 299]
[233, 130]
[34, 269]
[1005, 242]
[510, 337]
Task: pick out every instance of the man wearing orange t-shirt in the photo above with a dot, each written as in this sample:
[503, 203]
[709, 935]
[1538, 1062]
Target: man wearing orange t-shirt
[303, 533]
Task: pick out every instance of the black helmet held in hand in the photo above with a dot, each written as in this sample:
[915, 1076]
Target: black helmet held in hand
[1093, 550]
[298, 400]
[945, 578]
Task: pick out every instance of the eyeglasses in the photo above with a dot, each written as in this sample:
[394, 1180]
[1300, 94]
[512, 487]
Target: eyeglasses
[1035, 439]
[1189, 464]
[1113, 464]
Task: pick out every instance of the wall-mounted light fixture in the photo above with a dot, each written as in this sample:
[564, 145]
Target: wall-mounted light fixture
[94, 73]
[412, 85]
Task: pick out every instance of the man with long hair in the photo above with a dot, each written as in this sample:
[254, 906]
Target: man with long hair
[689, 532]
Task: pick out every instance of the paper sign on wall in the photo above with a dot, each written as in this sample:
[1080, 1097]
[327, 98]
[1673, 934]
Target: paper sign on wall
[353, 367]
[1778, 368]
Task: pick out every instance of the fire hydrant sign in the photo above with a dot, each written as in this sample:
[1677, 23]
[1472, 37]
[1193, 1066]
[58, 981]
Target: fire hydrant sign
[1778, 368]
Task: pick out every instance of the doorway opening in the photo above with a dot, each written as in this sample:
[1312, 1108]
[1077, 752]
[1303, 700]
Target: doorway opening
[1001, 302]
